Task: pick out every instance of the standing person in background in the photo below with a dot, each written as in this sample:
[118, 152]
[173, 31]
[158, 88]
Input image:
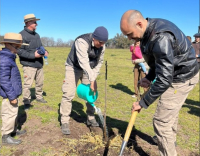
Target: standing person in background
[196, 45]
[139, 69]
[10, 88]
[31, 57]
[189, 38]
[172, 62]
[83, 62]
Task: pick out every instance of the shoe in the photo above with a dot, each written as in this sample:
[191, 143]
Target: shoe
[8, 140]
[41, 100]
[27, 106]
[65, 129]
[26, 102]
[92, 123]
[18, 132]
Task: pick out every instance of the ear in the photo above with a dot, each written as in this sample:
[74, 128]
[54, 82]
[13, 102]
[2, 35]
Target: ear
[139, 24]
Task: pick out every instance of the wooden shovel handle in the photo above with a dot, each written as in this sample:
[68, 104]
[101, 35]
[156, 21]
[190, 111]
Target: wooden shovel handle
[130, 125]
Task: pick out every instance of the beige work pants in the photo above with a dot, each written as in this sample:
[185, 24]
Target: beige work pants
[166, 116]
[31, 74]
[72, 76]
[9, 115]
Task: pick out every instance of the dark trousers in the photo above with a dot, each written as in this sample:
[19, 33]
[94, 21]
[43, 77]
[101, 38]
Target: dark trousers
[138, 74]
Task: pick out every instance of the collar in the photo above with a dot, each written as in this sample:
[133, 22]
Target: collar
[92, 43]
[8, 53]
[29, 31]
[148, 30]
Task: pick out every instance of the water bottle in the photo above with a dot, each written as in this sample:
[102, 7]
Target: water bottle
[45, 60]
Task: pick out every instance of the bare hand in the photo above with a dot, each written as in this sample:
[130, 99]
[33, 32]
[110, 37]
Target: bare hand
[93, 86]
[136, 107]
[13, 101]
[144, 83]
[37, 55]
[46, 53]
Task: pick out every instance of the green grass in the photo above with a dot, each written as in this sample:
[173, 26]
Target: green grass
[119, 100]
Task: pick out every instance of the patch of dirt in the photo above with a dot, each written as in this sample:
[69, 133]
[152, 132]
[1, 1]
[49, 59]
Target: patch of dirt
[47, 139]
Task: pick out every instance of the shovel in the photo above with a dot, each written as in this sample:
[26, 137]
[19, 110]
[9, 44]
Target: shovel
[131, 123]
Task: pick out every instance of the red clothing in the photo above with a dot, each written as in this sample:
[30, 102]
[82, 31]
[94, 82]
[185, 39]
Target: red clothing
[137, 54]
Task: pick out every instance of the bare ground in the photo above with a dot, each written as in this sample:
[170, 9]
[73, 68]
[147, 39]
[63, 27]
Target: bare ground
[47, 139]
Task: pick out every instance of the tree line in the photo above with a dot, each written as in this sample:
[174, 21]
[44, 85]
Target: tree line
[120, 41]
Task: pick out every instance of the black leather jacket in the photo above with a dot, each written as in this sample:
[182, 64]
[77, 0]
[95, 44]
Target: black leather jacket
[170, 56]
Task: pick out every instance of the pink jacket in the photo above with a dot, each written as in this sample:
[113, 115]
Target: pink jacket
[137, 54]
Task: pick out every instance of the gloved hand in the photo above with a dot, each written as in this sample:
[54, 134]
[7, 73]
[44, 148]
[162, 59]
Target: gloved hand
[41, 50]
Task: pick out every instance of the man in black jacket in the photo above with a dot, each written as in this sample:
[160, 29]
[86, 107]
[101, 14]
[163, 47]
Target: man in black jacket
[172, 63]
[31, 60]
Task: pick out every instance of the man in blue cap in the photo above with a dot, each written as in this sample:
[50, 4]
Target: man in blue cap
[83, 62]
[196, 45]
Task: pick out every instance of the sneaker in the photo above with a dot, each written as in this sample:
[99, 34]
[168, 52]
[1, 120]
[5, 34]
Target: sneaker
[8, 140]
[41, 100]
[65, 129]
[26, 102]
[18, 132]
[92, 123]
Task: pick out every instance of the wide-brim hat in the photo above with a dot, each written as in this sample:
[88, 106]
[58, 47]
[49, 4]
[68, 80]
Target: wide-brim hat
[13, 38]
[30, 17]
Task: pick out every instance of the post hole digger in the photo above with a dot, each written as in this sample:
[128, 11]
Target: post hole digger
[131, 123]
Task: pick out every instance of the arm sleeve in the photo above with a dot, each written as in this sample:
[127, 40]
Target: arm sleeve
[83, 59]
[139, 60]
[100, 63]
[5, 81]
[163, 53]
[131, 48]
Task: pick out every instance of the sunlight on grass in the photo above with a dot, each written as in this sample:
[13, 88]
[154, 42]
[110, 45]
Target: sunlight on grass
[119, 101]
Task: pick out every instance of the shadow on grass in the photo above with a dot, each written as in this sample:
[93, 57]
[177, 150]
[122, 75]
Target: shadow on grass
[194, 107]
[123, 88]
[80, 116]
[77, 112]
[21, 117]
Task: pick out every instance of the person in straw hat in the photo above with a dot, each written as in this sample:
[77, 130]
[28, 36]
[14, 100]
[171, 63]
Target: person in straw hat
[32, 61]
[10, 88]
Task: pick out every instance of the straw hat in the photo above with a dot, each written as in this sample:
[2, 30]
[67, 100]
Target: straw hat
[30, 17]
[12, 38]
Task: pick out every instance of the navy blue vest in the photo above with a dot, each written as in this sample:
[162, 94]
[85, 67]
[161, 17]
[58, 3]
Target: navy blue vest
[93, 52]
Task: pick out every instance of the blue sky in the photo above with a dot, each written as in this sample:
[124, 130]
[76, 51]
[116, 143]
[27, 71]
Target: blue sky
[67, 19]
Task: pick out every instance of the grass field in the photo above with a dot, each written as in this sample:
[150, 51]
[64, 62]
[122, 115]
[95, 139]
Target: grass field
[119, 100]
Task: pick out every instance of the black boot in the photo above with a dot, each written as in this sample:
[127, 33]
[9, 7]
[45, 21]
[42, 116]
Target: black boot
[8, 140]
